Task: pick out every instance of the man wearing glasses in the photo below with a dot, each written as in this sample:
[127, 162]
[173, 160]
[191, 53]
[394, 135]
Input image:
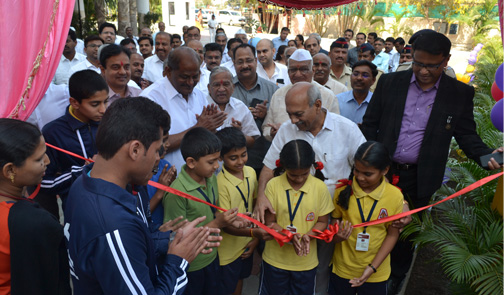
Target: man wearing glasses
[416, 113]
[353, 103]
[91, 45]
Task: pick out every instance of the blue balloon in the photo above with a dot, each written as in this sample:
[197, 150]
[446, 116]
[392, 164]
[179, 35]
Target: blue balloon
[496, 115]
[499, 77]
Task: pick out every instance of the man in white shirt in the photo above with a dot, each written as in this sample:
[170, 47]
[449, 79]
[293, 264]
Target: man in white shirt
[334, 139]
[116, 69]
[212, 58]
[69, 59]
[107, 32]
[221, 39]
[267, 68]
[91, 45]
[392, 53]
[52, 105]
[145, 45]
[381, 59]
[241, 34]
[212, 26]
[187, 106]
[300, 67]
[221, 88]
[153, 69]
[321, 70]
[231, 45]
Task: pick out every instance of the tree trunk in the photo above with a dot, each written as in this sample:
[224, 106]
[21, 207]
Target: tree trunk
[123, 16]
[133, 16]
[100, 11]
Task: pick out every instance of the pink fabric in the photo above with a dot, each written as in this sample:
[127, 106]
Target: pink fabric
[24, 27]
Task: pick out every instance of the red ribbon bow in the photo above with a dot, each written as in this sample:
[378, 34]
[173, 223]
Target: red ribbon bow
[395, 181]
[343, 182]
[277, 163]
[328, 234]
[319, 165]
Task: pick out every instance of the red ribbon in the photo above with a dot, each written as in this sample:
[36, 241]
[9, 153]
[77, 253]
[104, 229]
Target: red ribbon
[285, 236]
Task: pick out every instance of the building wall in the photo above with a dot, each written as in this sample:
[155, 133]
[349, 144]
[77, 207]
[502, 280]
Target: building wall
[176, 15]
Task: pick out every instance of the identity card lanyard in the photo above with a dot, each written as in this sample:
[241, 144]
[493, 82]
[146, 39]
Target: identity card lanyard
[207, 199]
[363, 238]
[292, 228]
[245, 200]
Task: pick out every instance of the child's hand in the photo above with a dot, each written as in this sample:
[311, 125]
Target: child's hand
[357, 282]
[296, 242]
[250, 246]
[173, 225]
[226, 218]
[305, 245]
[241, 222]
[167, 176]
[345, 229]
[262, 234]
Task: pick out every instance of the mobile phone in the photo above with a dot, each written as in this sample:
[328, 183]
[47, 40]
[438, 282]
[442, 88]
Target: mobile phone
[484, 159]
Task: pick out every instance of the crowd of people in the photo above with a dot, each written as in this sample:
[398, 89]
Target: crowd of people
[292, 135]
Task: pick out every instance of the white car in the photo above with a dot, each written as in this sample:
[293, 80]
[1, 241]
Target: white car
[230, 17]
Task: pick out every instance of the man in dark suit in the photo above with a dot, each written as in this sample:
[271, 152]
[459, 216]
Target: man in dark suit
[416, 113]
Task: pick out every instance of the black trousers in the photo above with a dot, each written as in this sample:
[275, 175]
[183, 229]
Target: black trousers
[402, 254]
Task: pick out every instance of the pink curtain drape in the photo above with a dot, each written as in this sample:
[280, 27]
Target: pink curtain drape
[33, 35]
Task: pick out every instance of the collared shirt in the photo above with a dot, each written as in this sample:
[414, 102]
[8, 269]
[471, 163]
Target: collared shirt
[182, 112]
[347, 262]
[130, 92]
[178, 206]
[231, 247]
[261, 91]
[230, 66]
[344, 78]
[350, 108]
[316, 202]
[334, 145]
[277, 42]
[153, 69]
[84, 65]
[382, 61]
[353, 56]
[394, 61]
[63, 71]
[203, 81]
[417, 111]
[225, 56]
[237, 110]
[277, 112]
[335, 86]
[280, 75]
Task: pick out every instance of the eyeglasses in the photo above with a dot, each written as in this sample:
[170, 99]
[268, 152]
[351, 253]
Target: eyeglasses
[428, 67]
[303, 70]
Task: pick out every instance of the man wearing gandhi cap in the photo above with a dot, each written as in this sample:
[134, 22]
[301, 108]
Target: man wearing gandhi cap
[300, 69]
[241, 34]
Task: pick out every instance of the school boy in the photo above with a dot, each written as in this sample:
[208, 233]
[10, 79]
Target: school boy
[201, 151]
[75, 131]
[110, 247]
[237, 188]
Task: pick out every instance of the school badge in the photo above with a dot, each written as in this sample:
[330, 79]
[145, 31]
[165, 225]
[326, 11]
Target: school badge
[383, 213]
[310, 216]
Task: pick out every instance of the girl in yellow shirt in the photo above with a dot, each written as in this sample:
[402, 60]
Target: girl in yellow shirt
[302, 203]
[361, 260]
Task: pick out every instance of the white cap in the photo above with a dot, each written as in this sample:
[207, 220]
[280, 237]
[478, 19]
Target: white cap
[301, 55]
[241, 31]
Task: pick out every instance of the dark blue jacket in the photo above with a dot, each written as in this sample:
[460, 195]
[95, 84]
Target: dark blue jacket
[64, 133]
[110, 247]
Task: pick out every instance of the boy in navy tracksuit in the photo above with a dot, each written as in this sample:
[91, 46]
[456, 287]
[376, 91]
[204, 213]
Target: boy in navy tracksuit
[75, 132]
[110, 247]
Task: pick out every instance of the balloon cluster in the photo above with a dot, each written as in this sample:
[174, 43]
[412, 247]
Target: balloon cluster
[497, 94]
[473, 58]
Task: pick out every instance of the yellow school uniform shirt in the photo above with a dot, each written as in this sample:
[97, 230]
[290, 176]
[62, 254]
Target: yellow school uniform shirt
[316, 202]
[349, 263]
[231, 247]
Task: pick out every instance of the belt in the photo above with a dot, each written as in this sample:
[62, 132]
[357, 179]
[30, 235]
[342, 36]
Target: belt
[404, 167]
